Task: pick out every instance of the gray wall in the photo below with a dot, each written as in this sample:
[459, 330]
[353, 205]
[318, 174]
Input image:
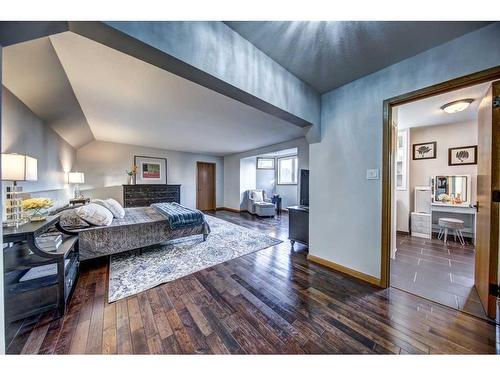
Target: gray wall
[232, 59]
[345, 208]
[289, 194]
[104, 165]
[24, 133]
[248, 179]
[2, 308]
[265, 179]
[232, 191]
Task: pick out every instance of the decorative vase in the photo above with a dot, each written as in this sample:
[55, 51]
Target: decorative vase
[131, 180]
[38, 215]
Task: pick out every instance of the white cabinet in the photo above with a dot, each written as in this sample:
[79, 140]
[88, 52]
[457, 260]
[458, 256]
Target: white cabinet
[421, 225]
[401, 159]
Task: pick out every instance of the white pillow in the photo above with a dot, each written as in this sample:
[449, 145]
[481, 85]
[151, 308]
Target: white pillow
[258, 196]
[116, 208]
[95, 214]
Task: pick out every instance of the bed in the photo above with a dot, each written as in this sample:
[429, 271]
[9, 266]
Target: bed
[141, 227]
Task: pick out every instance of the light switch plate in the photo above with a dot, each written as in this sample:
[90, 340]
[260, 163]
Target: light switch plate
[372, 174]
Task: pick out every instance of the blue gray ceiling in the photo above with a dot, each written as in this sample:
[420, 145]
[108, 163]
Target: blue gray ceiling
[329, 54]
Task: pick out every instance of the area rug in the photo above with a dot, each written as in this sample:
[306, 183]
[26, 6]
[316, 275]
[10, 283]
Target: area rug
[139, 270]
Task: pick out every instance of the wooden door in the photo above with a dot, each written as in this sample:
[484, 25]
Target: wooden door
[488, 181]
[205, 186]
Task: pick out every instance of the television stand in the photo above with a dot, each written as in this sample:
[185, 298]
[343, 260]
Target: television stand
[298, 225]
[53, 273]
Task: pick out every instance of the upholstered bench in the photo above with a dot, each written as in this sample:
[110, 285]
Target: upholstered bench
[264, 209]
[446, 223]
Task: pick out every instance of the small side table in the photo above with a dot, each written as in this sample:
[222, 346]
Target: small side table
[75, 201]
[55, 272]
[276, 199]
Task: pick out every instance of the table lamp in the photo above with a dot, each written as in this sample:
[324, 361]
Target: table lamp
[76, 178]
[16, 167]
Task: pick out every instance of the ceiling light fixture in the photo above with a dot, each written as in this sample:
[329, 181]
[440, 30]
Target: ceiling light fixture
[457, 105]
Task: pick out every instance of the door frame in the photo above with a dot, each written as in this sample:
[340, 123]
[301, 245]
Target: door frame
[215, 182]
[388, 152]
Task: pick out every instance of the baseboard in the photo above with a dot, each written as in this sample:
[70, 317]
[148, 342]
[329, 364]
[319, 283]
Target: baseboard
[348, 271]
[229, 209]
[403, 232]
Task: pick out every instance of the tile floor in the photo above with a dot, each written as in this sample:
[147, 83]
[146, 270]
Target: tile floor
[443, 273]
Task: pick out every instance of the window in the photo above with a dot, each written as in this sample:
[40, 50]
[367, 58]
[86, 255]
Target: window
[265, 163]
[287, 170]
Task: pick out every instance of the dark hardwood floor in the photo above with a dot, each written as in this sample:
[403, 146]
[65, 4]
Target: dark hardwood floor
[270, 301]
[443, 273]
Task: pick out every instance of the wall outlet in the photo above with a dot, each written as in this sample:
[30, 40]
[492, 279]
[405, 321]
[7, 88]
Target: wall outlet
[372, 174]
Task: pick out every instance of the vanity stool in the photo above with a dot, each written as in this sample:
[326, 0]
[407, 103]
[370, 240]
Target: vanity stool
[456, 225]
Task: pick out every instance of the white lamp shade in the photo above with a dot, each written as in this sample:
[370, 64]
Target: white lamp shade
[17, 167]
[31, 172]
[76, 178]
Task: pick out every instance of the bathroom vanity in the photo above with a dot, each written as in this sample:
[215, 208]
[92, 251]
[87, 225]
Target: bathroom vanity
[448, 196]
[452, 198]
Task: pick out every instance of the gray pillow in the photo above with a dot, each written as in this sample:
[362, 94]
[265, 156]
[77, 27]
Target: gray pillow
[96, 214]
[70, 220]
[258, 196]
[116, 208]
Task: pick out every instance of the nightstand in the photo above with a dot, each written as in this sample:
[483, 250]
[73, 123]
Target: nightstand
[37, 280]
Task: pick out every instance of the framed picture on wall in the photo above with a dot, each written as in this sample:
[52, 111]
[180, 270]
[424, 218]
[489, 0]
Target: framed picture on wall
[150, 170]
[422, 151]
[465, 155]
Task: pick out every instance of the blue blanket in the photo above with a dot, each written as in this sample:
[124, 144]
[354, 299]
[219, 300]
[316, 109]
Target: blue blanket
[179, 216]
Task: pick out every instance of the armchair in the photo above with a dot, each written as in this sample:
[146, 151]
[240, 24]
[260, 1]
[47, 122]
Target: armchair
[259, 204]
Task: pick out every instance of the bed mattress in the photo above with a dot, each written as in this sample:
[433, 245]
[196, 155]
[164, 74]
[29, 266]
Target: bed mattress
[141, 227]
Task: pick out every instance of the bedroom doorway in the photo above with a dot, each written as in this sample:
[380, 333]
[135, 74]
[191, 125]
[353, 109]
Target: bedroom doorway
[205, 186]
[444, 193]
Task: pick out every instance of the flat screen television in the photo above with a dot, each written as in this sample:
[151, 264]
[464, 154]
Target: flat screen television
[304, 187]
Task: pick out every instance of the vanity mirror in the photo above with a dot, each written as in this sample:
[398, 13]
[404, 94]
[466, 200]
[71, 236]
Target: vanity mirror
[455, 189]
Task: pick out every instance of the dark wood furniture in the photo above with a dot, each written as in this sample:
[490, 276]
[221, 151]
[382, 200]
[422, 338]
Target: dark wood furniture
[145, 195]
[298, 224]
[21, 254]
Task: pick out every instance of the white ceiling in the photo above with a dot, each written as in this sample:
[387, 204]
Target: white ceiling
[33, 73]
[126, 100]
[427, 112]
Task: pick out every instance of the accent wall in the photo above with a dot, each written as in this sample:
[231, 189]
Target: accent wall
[345, 208]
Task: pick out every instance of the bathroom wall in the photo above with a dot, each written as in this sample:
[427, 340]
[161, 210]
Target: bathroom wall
[446, 136]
